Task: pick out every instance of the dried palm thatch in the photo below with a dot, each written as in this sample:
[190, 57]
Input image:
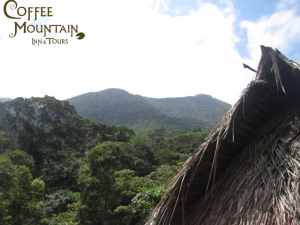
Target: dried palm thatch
[248, 170]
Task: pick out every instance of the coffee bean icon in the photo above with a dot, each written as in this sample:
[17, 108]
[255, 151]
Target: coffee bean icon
[80, 36]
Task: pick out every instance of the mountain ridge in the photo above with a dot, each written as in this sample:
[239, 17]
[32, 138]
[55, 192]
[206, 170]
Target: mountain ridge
[4, 99]
[145, 114]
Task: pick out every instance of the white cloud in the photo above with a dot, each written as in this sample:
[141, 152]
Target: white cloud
[287, 4]
[129, 44]
[279, 30]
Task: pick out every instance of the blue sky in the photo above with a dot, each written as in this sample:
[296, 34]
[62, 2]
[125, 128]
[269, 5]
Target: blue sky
[153, 48]
[250, 10]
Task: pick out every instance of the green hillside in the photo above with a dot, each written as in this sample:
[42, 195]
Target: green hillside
[144, 114]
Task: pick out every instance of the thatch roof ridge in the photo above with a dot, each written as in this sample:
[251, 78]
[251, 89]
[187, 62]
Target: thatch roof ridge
[275, 86]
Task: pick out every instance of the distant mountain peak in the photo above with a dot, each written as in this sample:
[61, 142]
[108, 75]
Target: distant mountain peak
[143, 113]
[4, 99]
[114, 90]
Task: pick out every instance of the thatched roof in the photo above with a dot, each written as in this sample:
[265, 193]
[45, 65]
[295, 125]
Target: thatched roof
[248, 170]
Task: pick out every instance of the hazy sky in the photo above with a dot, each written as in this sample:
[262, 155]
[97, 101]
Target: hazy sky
[153, 48]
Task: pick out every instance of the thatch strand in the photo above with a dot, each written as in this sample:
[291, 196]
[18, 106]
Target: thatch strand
[276, 71]
[247, 172]
[262, 178]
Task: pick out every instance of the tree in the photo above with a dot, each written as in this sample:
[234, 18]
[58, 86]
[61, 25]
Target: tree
[21, 196]
[31, 121]
[6, 143]
[141, 205]
[53, 134]
[135, 197]
[96, 180]
[20, 158]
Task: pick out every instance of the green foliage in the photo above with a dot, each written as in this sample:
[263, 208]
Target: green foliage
[186, 142]
[55, 136]
[38, 189]
[21, 196]
[98, 194]
[58, 168]
[100, 183]
[63, 218]
[164, 174]
[127, 184]
[114, 185]
[6, 143]
[141, 205]
[137, 196]
[58, 202]
[7, 183]
[32, 121]
[175, 147]
[140, 155]
[39, 123]
[121, 133]
[21, 158]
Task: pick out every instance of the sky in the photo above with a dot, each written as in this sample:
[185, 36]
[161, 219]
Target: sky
[153, 48]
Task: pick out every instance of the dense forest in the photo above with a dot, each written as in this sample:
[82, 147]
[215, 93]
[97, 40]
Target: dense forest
[144, 114]
[59, 168]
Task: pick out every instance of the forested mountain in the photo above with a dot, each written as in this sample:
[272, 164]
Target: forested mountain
[144, 114]
[5, 99]
[59, 168]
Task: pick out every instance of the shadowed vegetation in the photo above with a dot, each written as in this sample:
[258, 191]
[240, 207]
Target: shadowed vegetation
[59, 168]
